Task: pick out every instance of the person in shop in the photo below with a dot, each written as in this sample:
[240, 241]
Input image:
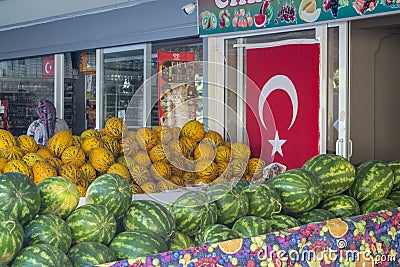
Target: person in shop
[47, 124]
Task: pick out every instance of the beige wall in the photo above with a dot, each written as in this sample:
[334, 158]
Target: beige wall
[375, 90]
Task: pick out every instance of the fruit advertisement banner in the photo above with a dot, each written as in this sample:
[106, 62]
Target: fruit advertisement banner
[282, 102]
[176, 88]
[221, 16]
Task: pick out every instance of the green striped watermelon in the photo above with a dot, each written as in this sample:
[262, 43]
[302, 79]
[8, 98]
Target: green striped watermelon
[213, 234]
[180, 241]
[335, 173]
[374, 180]
[137, 243]
[250, 226]
[395, 166]
[395, 196]
[112, 191]
[241, 184]
[19, 196]
[11, 237]
[299, 190]
[149, 216]
[314, 216]
[232, 203]
[48, 229]
[40, 255]
[280, 222]
[60, 196]
[193, 210]
[92, 223]
[90, 253]
[341, 206]
[375, 205]
[264, 200]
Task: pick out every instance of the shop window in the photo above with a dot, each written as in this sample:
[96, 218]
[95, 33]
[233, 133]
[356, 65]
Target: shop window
[192, 88]
[23, 82]
[333, 89]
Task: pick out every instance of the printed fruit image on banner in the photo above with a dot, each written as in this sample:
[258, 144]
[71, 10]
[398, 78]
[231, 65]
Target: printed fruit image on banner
[282, 102]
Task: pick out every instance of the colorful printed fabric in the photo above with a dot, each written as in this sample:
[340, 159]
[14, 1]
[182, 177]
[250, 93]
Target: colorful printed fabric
[366, 240]
[39, 132]
[47, 124]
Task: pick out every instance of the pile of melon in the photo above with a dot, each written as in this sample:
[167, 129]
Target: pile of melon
[152, 160]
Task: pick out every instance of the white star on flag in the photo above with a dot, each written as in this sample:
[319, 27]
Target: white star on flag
[277, 144]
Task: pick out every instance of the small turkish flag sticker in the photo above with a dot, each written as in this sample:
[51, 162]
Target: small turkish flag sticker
[48, 67]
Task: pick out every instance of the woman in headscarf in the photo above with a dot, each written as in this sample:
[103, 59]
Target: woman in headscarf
[47, 125]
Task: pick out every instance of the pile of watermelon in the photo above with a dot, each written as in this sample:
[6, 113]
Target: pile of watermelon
[42, 225]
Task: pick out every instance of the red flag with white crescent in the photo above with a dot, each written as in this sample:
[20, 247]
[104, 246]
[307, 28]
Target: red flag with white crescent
[282, 103]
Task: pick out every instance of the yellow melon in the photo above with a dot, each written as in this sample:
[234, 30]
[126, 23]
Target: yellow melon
[27, 143]
[42, 170]
[74, 155]
[120, 170]
[145, 138]
[90, 143]
[88, 172]
[18, 165]
[193, 129]
[59, 142]
[44, 153]
[31, 158]
[101, 159]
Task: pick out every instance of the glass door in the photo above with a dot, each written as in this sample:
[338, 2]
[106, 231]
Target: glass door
[123, 73]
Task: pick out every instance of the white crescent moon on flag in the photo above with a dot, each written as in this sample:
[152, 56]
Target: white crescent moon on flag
[278, 82]
[46, 67]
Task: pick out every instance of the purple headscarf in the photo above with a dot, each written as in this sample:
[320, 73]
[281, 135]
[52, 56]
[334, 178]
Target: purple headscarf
[47, 116]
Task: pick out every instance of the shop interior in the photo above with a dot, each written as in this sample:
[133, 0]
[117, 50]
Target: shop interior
[374, 88]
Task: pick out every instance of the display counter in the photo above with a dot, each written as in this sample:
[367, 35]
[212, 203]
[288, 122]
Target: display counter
[365, 240]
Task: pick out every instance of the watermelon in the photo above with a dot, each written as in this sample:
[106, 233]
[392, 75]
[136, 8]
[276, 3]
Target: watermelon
[395, 166]
[299, 190]
[280, 222]
[335, 173]
[92, 223]
[90, 253]
[375, 205]
[11, 236]
[60, 196]
[232, 203]
[148, 215]
[19, 196]
[112, 191]
[314, 216]
[180, 241]
[136, 243]
[40, 255]
[214, 233]
[264, 201]
[193, 210]
[250, 226]
[374, 180]
[341, 206]
[48, 229]
[395, 196]
[241, 184]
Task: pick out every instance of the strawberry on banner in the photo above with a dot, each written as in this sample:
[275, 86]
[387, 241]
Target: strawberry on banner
[282, 102]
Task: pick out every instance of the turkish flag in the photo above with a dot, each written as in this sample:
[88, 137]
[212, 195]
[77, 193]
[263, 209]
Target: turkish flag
[282, 103]
[48, 67]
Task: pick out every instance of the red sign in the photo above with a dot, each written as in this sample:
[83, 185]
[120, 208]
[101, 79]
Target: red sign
[176, 88]
[282, 113]
[48, 67]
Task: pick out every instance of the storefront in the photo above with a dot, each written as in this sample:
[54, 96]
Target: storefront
[353, 96]
[91, 73]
